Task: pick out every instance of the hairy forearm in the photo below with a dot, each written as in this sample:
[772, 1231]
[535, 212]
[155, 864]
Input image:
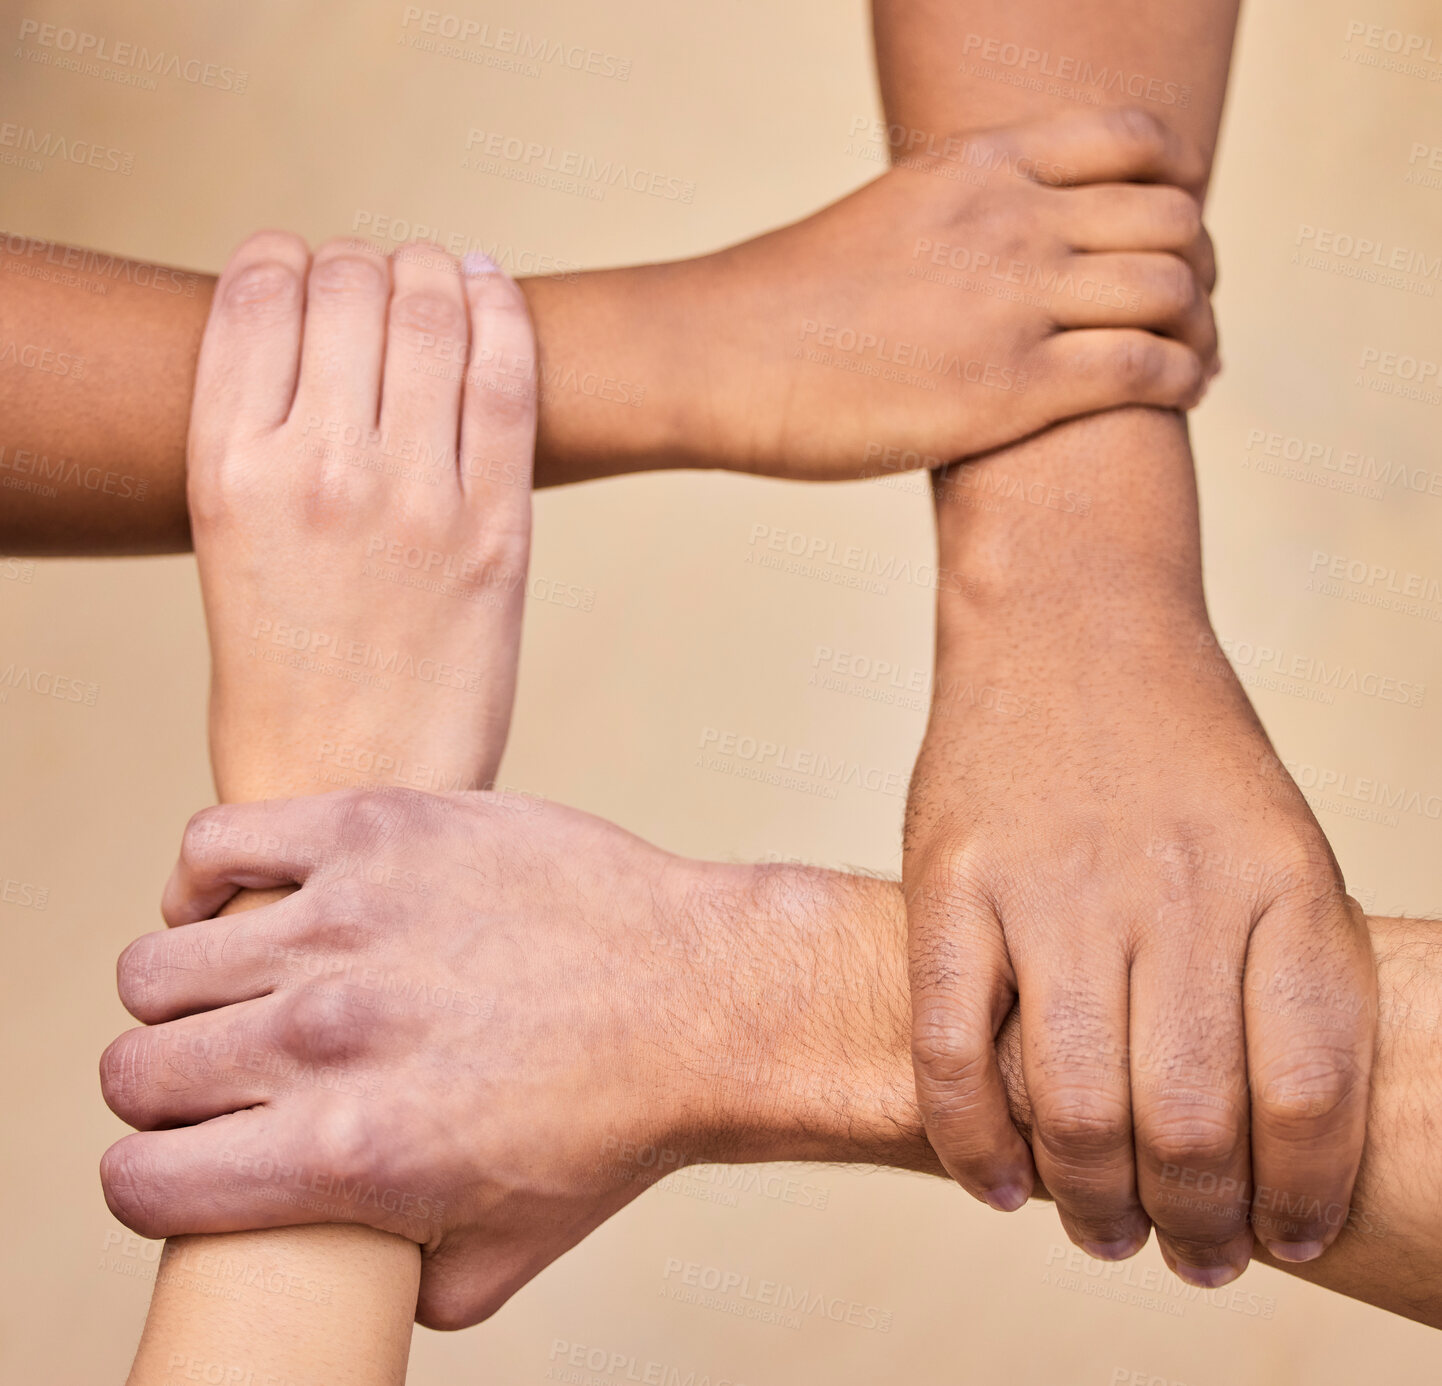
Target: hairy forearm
[824, 958]
[97, 365]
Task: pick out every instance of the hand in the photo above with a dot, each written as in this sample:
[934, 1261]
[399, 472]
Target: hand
[963, 301]
[1197, 993]
[482, 1028]
[359, 484]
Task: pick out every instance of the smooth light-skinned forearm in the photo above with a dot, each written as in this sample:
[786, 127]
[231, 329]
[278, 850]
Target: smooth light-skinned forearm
[839, 1086]
[324, 1303]
[97, 365]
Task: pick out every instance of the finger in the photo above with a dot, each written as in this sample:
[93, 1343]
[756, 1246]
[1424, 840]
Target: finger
[498, 417]
[234, 1173]
[1157, 291]
[1092, 369]
[234, 847]
[245, 377]
[1074, 1057]
[345, 314]
[1103, 217]
[281, 1165]
[1201, 255]
[1121, 144]
[177, 972]
[1123, 290]
[1189, 1112]
[961, 991]
[191, 1069]
[427, 341]
[1311, 1013]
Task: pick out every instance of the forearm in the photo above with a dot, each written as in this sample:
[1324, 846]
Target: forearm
[97, 365]
[943, 68]
[827, 963]
[325, 1302]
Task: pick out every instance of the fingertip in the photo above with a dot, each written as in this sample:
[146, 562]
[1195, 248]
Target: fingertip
[1009, 1197]
[271, 244]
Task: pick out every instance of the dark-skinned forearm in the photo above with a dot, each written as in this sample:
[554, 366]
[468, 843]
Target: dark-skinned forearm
[839, 1086]
[943, 68]
[97, 364]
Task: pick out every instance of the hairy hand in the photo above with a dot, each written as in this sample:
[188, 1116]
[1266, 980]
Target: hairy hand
[459, 1029]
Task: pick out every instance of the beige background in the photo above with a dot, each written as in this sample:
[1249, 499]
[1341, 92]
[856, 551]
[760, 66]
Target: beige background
[754, 102]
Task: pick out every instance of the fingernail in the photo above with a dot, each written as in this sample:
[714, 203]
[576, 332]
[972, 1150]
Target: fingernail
[477, 262]
[1296, 1251]
[1206, 1277]
[1118, 1250]
[1007, 1199]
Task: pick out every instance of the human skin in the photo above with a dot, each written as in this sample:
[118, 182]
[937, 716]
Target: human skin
[329, 649]
[561, 996]
[1070, 856]
[700, 363]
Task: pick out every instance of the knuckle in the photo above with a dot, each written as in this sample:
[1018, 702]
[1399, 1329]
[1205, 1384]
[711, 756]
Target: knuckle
[212, 494]
[203, 833]
[506, 398]
[140, 978]
[945, 1051]
[1311, 1092]
[345, 1147]
[262, 291]
[1138, 360]
[127, 1180]
[1179, 214]
[122, 1074]
[347, 274]
[321, 1024]
[429, 311]
[949, 881]
[502, 554]
[371, 817]
[1190, 1140]
[1075, 865]
[1211, 271]
[1082, 1124]
[1178, 284]
[1307, 875]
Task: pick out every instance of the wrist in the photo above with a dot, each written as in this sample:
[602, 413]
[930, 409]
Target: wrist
[614, 355]
[1093, 513]
[808, 1019]
[268, 757]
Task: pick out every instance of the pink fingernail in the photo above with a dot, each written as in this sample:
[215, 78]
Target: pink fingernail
[477, 262]
[1006, 1199]
[1206, 1277]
